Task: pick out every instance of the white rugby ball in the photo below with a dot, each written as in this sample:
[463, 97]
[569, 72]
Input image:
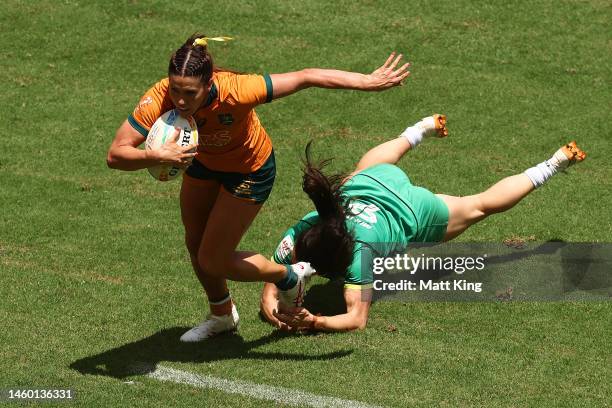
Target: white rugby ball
[162, 130]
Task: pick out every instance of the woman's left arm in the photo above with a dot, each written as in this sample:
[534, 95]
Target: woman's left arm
[387, 76]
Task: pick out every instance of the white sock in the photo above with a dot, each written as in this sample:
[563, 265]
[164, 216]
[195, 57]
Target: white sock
[548, 168]
[416, 132]
[222, 301]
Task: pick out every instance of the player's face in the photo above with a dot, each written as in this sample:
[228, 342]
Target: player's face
[188, 94]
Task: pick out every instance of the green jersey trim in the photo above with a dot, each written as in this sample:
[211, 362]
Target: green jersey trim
[269, 88]
[137, 126]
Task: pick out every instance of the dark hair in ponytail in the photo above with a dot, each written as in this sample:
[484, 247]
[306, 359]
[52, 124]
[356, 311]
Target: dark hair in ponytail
[192, 61]
[328, 245]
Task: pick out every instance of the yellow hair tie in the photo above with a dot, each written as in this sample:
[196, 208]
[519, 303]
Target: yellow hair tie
[204, 40]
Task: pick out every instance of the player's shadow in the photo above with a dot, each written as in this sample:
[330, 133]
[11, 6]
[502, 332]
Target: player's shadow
[326, 298]
[556, 269]
[142, 356]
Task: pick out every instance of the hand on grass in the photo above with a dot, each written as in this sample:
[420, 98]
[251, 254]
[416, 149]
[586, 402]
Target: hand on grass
[296, 318]
[268, 307]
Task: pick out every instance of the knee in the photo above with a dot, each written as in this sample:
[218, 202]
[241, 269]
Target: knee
[213, 264]
[193, 245]
[477, 208]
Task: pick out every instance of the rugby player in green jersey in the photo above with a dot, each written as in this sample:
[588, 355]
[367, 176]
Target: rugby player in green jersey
[377, 204]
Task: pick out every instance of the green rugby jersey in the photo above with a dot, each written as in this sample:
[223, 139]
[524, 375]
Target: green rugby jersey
[382, 220]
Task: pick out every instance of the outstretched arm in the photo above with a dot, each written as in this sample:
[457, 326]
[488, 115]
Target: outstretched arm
[387, 76]
[356, 316]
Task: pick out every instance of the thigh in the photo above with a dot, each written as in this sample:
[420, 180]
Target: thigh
[197, 200]
[463, 212]
[228, 221]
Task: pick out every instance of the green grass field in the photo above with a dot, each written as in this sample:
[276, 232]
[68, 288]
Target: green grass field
[95, 277]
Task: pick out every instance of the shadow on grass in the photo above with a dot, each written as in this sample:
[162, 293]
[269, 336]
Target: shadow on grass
[142, 356]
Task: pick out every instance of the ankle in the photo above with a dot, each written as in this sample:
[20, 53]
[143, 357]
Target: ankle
[221, 310]
[221, 307]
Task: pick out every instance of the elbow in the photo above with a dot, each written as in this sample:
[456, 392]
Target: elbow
[362, 321]
[111, 161]
[115, 161]
[361, 325]
[306, 78]
[358, 324]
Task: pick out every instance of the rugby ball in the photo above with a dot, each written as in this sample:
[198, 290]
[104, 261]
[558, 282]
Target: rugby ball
[162, 130]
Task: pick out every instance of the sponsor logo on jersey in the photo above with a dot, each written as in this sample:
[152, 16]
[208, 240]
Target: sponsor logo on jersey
[283, 252]
[226, 118]
[216, 139]
[201, 122]
[147, 100]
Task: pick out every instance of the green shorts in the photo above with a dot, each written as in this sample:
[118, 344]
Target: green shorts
[254, 187]
[430, 211]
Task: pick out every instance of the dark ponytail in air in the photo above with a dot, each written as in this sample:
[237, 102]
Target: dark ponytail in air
[328, 245]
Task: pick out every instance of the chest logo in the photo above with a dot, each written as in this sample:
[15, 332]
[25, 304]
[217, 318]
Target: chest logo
[201, 122]
[226, 118]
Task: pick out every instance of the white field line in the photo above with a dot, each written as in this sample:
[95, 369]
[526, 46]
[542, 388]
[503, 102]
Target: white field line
[249, 389]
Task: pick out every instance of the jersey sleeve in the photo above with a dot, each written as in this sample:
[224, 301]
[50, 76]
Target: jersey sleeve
[359, 274]
[284, 250]
[250, 90]
[155, 102]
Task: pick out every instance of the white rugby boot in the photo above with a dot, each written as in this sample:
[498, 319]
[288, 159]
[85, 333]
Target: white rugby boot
[294, 297]
[212, 326]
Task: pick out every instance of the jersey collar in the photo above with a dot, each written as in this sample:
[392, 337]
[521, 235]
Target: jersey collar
[212, 95]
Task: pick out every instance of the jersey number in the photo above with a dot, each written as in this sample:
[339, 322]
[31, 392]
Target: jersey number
[364, 214]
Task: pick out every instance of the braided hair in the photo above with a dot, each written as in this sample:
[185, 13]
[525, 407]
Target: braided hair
[192, 60]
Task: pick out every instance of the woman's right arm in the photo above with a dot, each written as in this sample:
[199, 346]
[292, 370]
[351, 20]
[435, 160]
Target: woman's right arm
[299, 318]
[124, 153]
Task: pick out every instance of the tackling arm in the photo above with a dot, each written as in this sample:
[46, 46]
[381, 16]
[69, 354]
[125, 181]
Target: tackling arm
[356, 316]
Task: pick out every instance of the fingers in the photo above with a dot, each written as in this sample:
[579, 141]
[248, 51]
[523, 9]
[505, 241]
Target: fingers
[283, 318]
[279, 316]
[401, 73]
[190, 149]
[394, 64]
[175, 136]
[173, 140]
[401, 70]
[295, 319]
[388, 61]
[389, 75]
[273, 320]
